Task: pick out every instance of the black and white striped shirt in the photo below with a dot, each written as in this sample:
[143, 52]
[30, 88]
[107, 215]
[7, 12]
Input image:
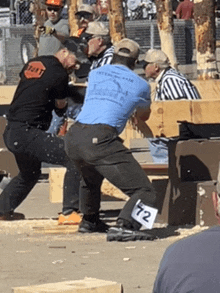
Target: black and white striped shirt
[104, 58]
[174, 86]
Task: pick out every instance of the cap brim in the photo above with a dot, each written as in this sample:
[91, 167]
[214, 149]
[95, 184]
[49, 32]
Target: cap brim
[143, 63]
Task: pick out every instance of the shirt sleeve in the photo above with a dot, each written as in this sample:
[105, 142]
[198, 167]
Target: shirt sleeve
[59, 90]
[145, 99]
[178, 89]
[64, 29]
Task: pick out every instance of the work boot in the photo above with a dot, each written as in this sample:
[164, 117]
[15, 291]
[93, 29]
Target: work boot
[72, 219]
[123, 234]
[11, 216]
[124, 231]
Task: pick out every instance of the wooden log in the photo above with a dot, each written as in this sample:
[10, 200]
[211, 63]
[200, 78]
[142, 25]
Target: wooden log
[116, 21]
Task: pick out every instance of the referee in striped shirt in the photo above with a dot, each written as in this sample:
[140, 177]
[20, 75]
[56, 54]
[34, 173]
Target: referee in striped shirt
[171, 86]
[100, 48]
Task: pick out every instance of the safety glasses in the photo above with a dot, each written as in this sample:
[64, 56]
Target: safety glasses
[55, 9]
[84, 15]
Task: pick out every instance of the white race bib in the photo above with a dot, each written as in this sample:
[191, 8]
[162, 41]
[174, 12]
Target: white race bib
[144, 214]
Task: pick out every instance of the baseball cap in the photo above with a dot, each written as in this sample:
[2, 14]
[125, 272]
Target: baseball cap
[78, 46]
[85, 8]
[155, 56]
[127, 48]
[59, 3]
[97, 28]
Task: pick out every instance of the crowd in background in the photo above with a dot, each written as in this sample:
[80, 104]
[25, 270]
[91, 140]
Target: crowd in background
[133, 9]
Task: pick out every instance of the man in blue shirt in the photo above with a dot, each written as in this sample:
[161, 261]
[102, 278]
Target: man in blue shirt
[114, 92]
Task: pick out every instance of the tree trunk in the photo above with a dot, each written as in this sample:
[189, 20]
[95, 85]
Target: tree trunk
[40, 16]
[73, 24]
[165, 27]
[204, 15]
[116, 21]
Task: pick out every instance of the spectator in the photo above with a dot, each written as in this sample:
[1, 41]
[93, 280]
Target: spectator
[84, 14]
[171, 86]
[100, 48]
[113, 93]
[185, 10]
[175, 4]
[25, 16]
[55, 30]
[192, 264]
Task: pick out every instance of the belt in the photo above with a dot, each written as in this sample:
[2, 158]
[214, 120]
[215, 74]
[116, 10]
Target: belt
[105, 126]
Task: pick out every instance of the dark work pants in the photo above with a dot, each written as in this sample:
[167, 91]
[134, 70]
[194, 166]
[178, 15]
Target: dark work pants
[99, 153]
[31, 147]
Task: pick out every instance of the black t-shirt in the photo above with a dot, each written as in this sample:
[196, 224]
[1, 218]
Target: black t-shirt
[43, 79]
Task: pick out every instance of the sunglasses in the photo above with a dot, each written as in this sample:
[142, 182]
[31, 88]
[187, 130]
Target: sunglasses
[83, 15]
[55, 9]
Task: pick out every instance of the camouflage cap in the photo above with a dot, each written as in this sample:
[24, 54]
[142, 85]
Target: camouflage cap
[85, 8]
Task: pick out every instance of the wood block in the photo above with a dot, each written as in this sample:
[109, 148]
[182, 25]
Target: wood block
[108, 189]
[155, 122]
[205, 111]
[8, 163]
[56, 178]
[7, 93]
[205, 215]
[87, 285]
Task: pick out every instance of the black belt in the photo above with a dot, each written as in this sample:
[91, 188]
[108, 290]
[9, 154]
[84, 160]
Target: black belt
[83, 125]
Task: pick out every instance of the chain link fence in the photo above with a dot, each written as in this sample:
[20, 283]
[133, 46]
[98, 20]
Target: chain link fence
[17, 43]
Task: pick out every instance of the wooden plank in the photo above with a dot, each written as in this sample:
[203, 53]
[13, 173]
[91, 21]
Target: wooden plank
[6, 94]
[87, 285]
[206, 111]
[155, 169]
[55, 229]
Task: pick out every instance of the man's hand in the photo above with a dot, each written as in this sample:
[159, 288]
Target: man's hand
[141, 115]
[46, 30]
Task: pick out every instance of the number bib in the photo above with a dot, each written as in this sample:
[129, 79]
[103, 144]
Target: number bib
[144, 214]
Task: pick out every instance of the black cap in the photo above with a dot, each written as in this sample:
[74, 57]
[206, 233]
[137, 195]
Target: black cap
[78, 46]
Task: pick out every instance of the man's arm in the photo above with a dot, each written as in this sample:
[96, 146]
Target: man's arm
[142, 114]
[61, 35]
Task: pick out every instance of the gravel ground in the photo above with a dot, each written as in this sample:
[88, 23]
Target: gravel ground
[36, 251]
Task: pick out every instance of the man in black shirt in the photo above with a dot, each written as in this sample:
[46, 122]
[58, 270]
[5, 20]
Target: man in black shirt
[42, 88]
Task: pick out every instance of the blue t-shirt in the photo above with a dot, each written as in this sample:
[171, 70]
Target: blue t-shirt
[113, 93]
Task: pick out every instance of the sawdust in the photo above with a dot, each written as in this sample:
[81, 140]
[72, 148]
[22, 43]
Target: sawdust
[42, 229]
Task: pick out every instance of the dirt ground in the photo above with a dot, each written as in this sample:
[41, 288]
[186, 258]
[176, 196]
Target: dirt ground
[34, 251]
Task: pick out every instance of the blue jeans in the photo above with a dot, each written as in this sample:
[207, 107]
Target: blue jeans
[159, 149]
[56, 122]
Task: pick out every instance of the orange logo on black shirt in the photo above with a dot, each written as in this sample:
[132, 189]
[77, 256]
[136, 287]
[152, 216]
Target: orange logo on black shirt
[35, 69]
